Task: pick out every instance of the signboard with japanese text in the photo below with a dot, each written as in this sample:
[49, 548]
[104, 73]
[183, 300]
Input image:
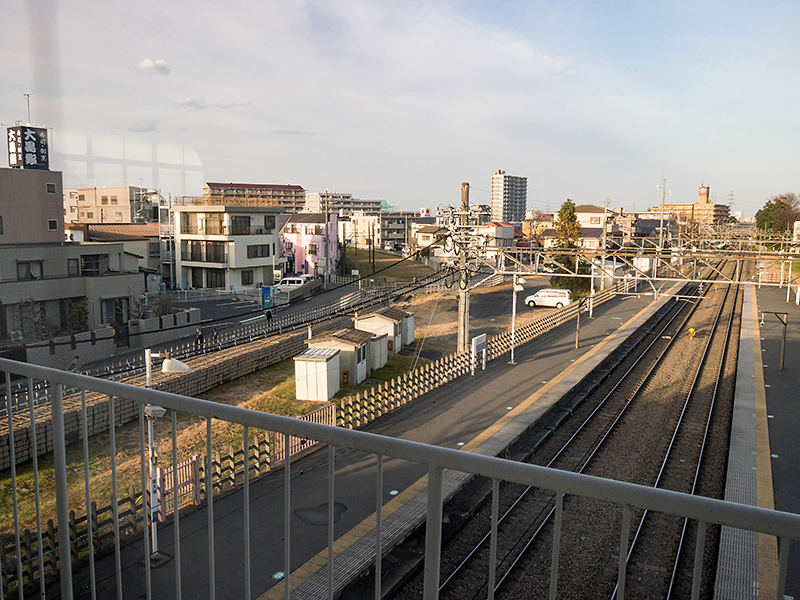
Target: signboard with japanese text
[27, 148]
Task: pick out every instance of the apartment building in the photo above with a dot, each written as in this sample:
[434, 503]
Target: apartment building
[43, 277]
[342, 204]
[289, 198]
[228, 246]
[703, 212]
[122, 204]
[30, 207]
[509, 197]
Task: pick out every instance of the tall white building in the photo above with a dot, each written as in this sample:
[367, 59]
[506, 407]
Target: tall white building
[509, 197]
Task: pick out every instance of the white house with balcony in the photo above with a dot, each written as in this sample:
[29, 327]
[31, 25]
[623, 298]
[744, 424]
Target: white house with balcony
[228, 246]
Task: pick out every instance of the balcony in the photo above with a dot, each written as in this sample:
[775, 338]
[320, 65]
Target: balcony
[205, 257]
[226, 230]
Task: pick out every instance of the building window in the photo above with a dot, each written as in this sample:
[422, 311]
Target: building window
[118, 217]
[73, 267]
[240, 226]
[83, 214]
[90, 265]
[153, 246]
[52, 224]
[269, 222]
[247, 277]
[104, 200]
[258, 251]
[50, 187]
[73, 209]
[594, 220]
[114, 201]
[81, 197]
[90, 215]
[312, 249]
[29, 270]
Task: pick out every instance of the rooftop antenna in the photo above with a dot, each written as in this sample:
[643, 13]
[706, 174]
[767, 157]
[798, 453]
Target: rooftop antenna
[28, 100]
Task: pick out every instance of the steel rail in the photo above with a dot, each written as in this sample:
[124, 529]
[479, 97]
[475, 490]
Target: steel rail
[703, 445]
[680, 422]
[464, 563]
[599, 444]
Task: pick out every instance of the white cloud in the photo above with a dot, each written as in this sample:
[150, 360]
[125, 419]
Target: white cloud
[152, 67]
[200, 103]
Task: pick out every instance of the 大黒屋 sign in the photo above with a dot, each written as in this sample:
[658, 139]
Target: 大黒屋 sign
[27, 148]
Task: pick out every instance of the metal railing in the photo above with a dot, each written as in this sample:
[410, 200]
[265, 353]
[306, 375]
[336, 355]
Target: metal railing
[438, 460]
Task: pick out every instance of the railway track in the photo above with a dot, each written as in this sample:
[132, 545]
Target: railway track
[627, 415]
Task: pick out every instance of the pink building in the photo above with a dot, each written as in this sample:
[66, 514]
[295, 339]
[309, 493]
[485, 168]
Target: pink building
[304, 242]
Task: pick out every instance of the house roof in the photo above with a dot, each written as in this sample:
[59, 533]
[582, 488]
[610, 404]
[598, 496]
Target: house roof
[307, 218]
[254, 186]
[430, 229]
[586, 232]
[588, 208]
[353, 337]
[121, 232]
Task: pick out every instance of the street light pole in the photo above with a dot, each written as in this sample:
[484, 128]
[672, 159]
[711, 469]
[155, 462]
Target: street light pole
[517, 287]
[151, 413]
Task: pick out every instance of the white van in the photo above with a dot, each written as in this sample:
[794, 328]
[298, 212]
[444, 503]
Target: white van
[288, 284]
[549, 297]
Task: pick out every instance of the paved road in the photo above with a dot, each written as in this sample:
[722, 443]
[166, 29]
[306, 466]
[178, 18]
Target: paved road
[448, 416]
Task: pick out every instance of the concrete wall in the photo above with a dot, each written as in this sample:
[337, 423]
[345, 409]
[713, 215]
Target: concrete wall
[145, 333]
[58, 353]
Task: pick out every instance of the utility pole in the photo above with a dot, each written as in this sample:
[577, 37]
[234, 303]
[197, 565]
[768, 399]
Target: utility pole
[327, 260]
[605, 227]
[663, 188]
[463, 291]
[28, 100]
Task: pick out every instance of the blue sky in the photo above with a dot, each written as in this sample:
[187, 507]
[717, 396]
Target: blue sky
[405, 100]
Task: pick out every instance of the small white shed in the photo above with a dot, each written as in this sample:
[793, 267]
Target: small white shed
[378, 350]
[316, 374]
[395, 322]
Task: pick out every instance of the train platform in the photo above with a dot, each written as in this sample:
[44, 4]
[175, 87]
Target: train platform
[355, 551]
[764, 455]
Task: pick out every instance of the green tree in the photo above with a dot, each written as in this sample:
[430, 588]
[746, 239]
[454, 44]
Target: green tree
[779, 213]
[78, 316]
[568, 234]
[568, 230]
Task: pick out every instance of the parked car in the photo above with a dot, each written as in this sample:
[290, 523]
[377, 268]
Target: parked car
[289, 283]
[549, 297]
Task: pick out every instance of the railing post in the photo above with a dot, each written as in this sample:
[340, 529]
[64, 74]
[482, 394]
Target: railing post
[62, 500]
[433, 533]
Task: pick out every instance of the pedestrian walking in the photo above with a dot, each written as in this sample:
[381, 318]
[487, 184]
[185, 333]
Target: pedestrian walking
[269, 317]
[75, 365]
[198, 340]
[215, 336]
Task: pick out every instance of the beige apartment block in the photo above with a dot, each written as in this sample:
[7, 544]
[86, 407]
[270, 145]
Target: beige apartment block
[123, 204]
[30, 207]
